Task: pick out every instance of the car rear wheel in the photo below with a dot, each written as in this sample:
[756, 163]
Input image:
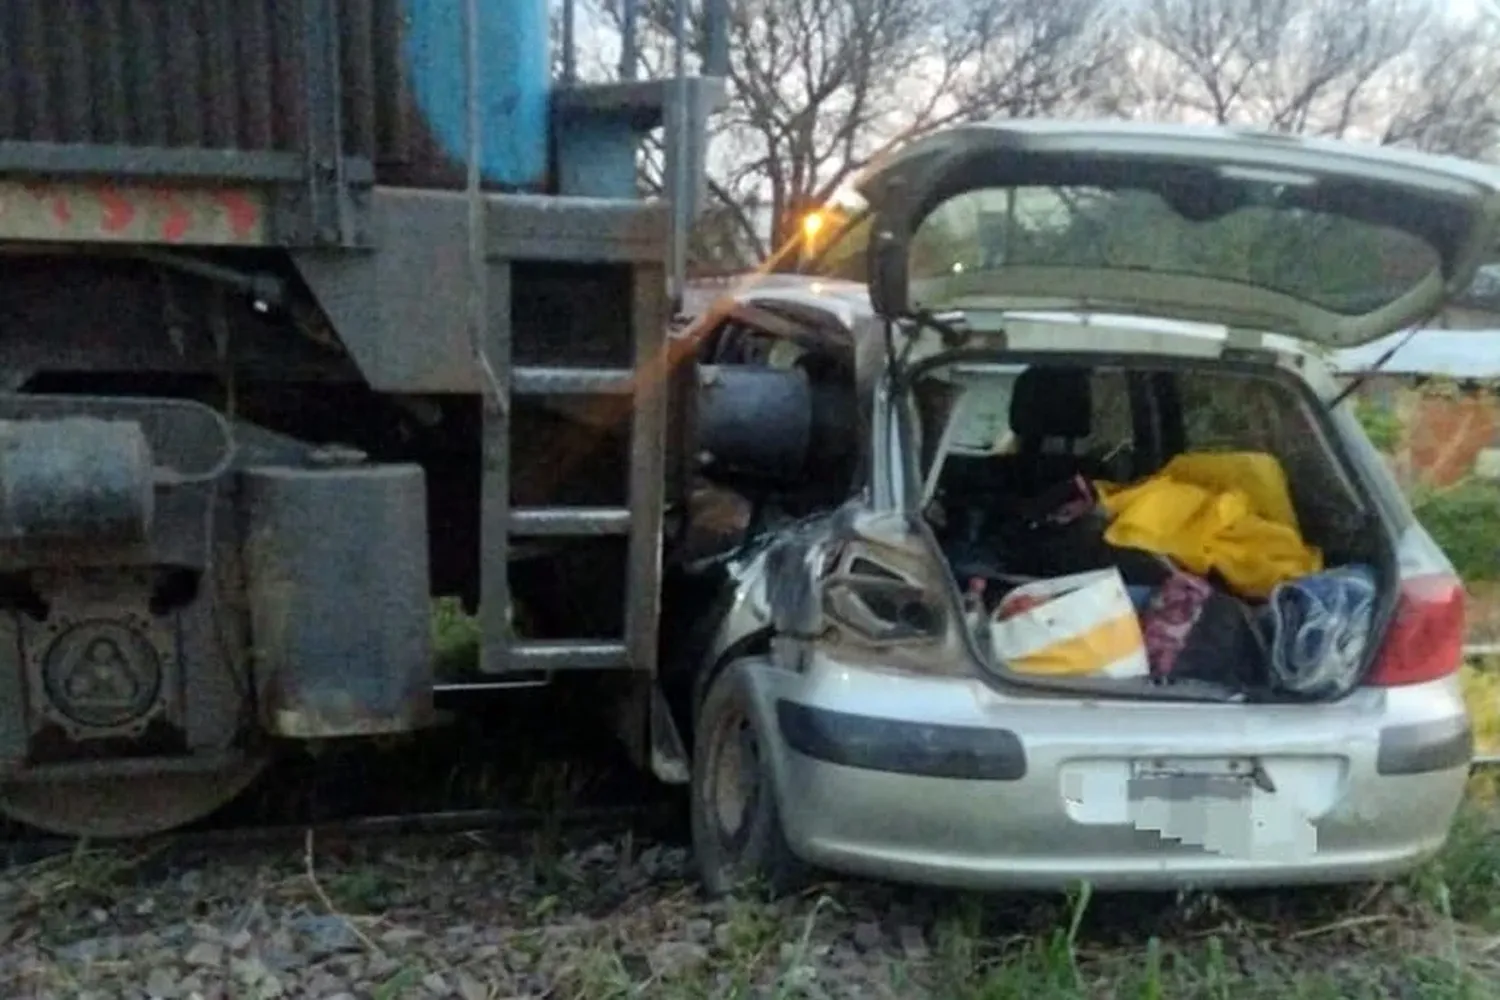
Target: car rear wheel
[737, 835]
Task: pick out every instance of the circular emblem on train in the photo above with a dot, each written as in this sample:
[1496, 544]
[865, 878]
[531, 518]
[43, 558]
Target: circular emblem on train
[101, 674]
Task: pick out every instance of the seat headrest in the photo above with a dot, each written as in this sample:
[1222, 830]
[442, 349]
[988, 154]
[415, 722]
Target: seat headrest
[1052, 402]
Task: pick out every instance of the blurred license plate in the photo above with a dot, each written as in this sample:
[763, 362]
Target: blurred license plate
[1227, 807]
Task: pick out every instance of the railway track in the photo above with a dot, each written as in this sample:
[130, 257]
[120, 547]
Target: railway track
[532, 760]
[662, 818]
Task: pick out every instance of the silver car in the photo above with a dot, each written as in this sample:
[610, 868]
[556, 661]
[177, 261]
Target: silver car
[1078, 304]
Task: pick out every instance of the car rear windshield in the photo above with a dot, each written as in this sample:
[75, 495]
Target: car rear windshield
[1277, 237]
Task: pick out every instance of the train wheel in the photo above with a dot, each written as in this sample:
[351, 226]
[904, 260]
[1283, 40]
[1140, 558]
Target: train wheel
[111, 808]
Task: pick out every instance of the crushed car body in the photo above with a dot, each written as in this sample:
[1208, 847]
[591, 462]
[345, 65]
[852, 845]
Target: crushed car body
[1073, 566]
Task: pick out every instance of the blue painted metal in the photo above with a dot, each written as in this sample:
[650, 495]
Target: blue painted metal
[514, 83]
[596, 156]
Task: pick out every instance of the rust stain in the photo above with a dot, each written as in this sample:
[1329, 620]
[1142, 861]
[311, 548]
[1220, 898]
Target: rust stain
[117, 212]
[178, 219]
[94, 212]
[242, 213]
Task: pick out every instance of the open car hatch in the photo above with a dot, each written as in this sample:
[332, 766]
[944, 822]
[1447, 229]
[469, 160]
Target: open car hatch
[1336, 243]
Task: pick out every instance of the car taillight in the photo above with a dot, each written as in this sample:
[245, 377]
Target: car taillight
[1426, 640]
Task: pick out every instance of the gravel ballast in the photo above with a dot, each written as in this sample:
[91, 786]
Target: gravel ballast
[473, 918]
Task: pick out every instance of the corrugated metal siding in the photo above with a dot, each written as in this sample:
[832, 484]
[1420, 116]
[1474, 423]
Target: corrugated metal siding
[209, 74]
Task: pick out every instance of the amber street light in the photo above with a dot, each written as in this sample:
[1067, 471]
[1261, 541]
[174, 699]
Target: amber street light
[812, 224]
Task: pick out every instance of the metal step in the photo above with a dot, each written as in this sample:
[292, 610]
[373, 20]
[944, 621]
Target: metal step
[567, 654]
[539, 381]
[536, 522]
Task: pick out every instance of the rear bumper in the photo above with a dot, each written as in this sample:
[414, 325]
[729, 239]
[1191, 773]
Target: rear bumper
[943, 782]
[1425, 747]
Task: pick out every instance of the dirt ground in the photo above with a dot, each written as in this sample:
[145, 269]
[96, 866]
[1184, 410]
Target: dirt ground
[477, 919]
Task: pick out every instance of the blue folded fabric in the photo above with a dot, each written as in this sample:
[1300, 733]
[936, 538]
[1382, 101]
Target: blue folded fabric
[1140, 596]
[1318, 628]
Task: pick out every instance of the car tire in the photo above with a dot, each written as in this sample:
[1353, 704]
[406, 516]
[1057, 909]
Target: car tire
[738, 841]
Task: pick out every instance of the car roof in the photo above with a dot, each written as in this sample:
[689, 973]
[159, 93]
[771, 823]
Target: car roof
[849, 302]
[1036, 332]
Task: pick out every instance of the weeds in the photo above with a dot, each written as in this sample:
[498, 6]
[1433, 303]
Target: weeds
[455, 639]
[1434, 935]
[1481, 681]
[83, 877]
[360, 890]
[1430, 937]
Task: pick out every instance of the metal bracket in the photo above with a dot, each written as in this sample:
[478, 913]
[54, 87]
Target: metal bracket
[329, 202]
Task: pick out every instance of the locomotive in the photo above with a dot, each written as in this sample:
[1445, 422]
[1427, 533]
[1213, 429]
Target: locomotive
[313, 310]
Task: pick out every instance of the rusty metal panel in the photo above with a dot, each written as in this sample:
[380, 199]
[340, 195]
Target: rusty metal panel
[67, 211]
[186, 73]
[216, 75]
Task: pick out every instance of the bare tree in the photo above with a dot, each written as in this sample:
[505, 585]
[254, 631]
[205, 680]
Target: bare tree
[1396, 71]
[1446, 93]
[819, 88]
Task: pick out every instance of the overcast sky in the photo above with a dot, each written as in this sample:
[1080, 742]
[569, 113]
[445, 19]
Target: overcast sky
[598, 50]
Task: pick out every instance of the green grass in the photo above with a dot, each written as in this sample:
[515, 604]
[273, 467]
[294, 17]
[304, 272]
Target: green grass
[455, 640]
[1433, 935]
[1414, 939]
[1482, 692]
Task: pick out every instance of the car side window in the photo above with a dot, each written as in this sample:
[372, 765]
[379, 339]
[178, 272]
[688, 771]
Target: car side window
[1234, 411]
[719, 515]
[1111, 441]
[986, 428]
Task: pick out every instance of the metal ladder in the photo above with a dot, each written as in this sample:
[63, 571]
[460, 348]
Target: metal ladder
[641, 389]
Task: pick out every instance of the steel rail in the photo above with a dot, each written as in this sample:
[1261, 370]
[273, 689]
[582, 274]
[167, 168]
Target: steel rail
[28, 850]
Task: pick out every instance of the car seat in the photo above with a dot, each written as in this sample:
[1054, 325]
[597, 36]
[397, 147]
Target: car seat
[1051, 411]
[994, 496]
